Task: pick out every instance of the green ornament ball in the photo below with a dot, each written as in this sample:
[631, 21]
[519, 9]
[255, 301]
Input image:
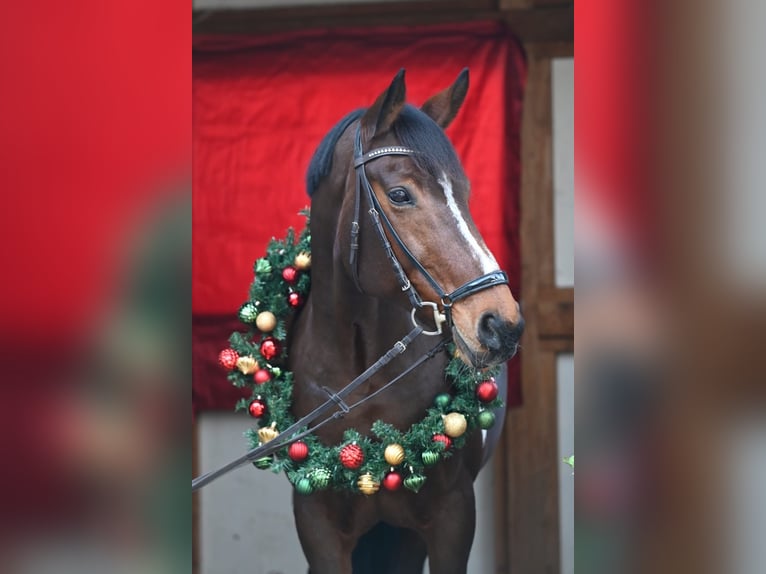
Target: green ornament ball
[430, 457]
[414, 482]
[320, 478]
[263, 463]
[486, 419]
[442, 400]
[248, 313]
[303, 486]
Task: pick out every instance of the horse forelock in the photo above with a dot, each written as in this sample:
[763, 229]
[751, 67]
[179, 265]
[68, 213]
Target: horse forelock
[435, 154]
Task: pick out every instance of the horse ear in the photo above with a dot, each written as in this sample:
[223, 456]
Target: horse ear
[443, 107]
[379, 118]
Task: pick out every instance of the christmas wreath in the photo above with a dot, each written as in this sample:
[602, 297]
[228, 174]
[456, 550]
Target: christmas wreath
[389, 457]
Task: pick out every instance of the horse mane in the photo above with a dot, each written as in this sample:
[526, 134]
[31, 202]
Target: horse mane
[413, 128]
[321, 162]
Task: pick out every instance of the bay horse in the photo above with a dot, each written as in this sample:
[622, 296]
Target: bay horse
[394, 159]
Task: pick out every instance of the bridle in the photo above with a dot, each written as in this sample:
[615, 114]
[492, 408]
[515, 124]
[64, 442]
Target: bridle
[336, 401]
[378, 215]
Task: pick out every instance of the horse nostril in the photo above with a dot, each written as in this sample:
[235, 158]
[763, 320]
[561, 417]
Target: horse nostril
[499, 335]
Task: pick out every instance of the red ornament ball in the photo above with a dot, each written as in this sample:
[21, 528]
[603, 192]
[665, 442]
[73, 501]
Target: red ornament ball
[294, 299]
[392, 481]
[269, 348]
[257, 408]
[228, 359]
[298, 451]
[444, 439]
[351, 456]
[290, 274]
[261, 376]
[487, 391]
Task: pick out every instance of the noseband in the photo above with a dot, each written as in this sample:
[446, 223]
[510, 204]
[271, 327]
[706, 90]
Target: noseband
[379, 219]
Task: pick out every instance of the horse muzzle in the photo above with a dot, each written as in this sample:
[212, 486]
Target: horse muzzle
[498, 338]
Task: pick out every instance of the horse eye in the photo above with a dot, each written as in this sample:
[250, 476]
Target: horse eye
[399, 196]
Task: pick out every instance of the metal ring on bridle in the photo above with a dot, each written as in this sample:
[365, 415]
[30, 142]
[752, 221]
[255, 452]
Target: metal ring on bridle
[439, 318]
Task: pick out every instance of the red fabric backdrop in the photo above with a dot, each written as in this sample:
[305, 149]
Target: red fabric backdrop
[261, 106]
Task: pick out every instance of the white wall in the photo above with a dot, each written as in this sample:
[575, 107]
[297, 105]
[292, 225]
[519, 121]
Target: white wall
[562, 77]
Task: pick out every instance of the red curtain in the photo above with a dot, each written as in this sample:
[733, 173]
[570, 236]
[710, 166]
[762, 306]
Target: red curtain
[261, 106]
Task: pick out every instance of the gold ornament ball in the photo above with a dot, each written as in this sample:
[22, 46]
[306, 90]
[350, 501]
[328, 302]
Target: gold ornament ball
[454, 424]
[247, 365]
[367, 485]
[268, 433]
[302, 260]
[394, 454]
[266, 321]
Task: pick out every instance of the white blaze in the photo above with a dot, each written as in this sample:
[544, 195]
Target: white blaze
[479, 250]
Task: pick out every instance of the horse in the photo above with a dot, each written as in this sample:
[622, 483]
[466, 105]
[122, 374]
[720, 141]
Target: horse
[369, 282]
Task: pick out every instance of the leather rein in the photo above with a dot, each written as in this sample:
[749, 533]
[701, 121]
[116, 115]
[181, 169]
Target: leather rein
[335, 402]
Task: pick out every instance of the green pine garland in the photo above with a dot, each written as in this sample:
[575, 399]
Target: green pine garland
[322, 468]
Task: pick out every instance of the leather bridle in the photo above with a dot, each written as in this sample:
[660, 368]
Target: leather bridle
[378, 215]
[336, 402]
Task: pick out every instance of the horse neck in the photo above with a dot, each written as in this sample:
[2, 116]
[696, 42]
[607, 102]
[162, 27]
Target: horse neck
[341, 313]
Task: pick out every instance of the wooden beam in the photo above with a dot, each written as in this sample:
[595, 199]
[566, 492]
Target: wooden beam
[531, 431]
[555, 313]
[549, 24]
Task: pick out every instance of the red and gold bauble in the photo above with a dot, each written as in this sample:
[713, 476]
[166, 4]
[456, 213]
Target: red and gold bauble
[290, 274]
[487, 391]
[261, 376]
[298, 451]
[294, 299]
[228, 359]
[269, 348]
[351, 456]
[444, 439]
[392, 481]
[257, 408]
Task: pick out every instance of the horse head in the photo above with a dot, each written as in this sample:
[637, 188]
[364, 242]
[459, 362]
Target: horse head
[422, 193]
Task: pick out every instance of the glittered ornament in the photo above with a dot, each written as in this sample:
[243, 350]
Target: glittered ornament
[298, 451]
[248, 313]
[257, 408]
[261, 376]
[294, 299]
[266, 321]
[268, 433]
[394, 454]
[228, 359]
[290, 274]
[263, 463]
[392, 481]
[486, 419]
[269, 348]
[430, 457]
[320, 478]
[414, 482]
[454, 424]
[487, 391]
[302, 261]
[367, 485]
[443, 439]
[351, 456]
[247, 365]
[303, 486]
[442, 400]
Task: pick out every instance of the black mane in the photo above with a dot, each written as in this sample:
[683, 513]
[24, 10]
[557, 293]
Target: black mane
[412, 128]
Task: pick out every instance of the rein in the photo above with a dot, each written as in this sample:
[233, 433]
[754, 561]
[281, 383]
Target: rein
[379, 218]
